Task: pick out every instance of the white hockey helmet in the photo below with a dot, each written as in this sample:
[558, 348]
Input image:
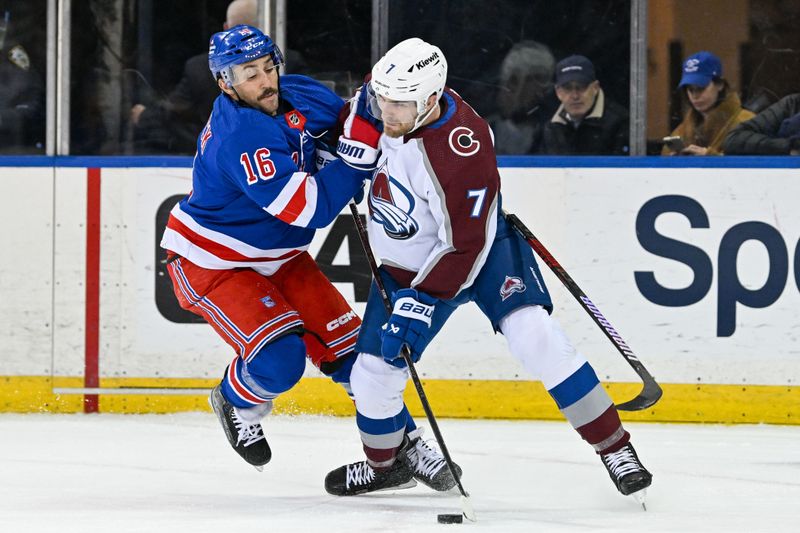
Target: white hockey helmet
[411, 71]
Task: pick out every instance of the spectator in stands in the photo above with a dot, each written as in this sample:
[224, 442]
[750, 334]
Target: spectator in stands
[525, 100]
[774, 131]
[173, 124]
[714, 108]
[586, 123]
[21, 95]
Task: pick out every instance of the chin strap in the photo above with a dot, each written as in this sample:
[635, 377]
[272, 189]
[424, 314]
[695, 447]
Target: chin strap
[420, 120]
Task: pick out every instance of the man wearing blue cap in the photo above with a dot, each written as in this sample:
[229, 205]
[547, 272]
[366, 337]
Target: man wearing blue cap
[587, 122]
[714, 108]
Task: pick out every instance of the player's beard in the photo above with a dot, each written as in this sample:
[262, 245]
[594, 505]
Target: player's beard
[395, 130]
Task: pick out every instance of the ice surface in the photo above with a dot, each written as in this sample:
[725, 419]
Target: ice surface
[176, 473]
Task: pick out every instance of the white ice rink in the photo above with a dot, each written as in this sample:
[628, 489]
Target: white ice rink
[176, 473]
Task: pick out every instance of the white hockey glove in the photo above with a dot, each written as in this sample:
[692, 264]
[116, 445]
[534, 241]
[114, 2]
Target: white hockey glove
[358, 145]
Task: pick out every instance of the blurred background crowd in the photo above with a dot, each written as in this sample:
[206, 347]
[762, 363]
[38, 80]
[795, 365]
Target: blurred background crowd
[131, 77]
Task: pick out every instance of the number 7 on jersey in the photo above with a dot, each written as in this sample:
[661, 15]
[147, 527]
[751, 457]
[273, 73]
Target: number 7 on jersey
[480, 196]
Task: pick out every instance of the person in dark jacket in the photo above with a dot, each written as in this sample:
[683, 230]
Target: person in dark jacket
[774, 131]
[586, 123]
[525, 100]
[172, 124]
[22, 95]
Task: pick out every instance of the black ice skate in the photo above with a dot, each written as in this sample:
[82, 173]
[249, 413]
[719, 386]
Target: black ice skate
[429, 465]
[360, 478]
[627, 472]
[246, 438]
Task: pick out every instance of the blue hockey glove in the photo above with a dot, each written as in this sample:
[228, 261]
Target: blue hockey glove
[408, 325]
[358, 144]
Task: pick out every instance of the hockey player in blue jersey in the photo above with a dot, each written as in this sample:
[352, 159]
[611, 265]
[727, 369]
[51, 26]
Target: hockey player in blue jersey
[237, 243]
[436, 224]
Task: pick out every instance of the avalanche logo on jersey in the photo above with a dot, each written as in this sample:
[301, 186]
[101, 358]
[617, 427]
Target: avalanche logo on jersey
[511, 285]
[391, 204]
[462, 141]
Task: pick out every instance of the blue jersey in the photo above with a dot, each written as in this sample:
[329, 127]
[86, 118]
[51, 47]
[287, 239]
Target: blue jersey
[257, 195]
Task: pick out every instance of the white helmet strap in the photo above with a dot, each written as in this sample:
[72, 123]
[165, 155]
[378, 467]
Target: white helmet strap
[422, 118]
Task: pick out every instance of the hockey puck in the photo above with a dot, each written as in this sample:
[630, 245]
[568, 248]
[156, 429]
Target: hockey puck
[450, 518]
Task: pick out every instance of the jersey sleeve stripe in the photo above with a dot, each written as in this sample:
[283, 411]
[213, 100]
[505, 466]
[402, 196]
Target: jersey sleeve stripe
[285, 205]
[302, 204]
[310, 202]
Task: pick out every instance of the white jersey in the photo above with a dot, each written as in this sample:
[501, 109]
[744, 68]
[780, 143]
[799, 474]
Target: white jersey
[433, 202]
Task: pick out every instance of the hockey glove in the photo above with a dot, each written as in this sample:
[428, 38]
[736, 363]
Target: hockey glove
[358, 144]
[366, 99]
[409, 325]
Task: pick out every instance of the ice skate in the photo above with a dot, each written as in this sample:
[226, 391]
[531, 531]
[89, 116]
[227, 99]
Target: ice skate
[246, 437]
[360, 477]
[429, 465]
[628, 474]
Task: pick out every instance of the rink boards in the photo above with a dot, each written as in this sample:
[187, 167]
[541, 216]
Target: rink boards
[697, 268]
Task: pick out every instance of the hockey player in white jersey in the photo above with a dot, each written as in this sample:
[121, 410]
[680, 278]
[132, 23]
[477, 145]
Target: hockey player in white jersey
[436, 225]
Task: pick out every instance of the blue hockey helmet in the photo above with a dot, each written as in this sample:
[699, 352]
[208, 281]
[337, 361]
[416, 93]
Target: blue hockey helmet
[236, 46]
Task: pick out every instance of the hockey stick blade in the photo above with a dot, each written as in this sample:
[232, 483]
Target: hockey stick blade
[651, 392]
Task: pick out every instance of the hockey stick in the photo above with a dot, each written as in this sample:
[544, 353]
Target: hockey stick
[466, 505]
[651, 392]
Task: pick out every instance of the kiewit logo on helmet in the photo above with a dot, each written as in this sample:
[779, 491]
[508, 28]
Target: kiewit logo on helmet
[425, 62]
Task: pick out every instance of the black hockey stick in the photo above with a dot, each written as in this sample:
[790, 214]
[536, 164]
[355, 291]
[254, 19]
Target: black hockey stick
[466, 505]
[652, 391]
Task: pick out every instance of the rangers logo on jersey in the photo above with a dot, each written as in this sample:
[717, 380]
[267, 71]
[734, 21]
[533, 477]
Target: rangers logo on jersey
[511, 285]
[391, 205]
[205, 136]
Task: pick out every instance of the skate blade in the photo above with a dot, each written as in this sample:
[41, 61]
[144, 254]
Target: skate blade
[408, 485]
[260, 468]
[640, 497]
